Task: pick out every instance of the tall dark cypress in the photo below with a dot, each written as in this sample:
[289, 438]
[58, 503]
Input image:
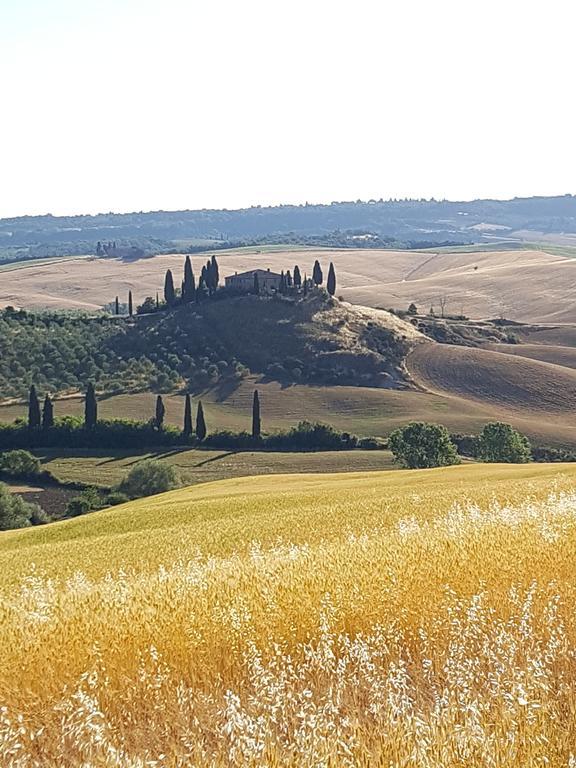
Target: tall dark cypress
[117, 306]
[169, 292]
[160, 412]
[90, 407]
[331, 281]
[187, 431]
[215, 272]
[47, 413]
[305, 285]
[256, 425]
[288, 279]
[200, 423]
[189, 289]
[256, 284]
[297, 277]
[157, 301]
[34, 417]
[317, 275]
[282, 288]
[130, 304]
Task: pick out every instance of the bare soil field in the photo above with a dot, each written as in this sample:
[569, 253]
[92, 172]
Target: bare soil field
[525, 285]
[546, 353]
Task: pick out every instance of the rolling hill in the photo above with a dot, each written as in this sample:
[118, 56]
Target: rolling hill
[277, 615]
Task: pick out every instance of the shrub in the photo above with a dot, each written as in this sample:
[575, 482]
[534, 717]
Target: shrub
[15, 512]
[419, 445]
[87, 501]
[19, 463]
[500, 442]
[149, 478]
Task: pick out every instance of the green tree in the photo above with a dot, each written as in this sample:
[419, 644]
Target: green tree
[130, 304]
[500, 442]
[283, 284]
[419, 445]
[117, 306]
[15, 512]
[256, 424]
[169, 292]
[90, 407]
[202, 290]
[34, 417]
[160, 412]
[297, 277]
[47, 413]
[201, 430]
[147, 478]
[256, 284]
[215, 272]
[20, 464]
[187, 431]
[412, 309]
[189, 285]
[331, 281]
[317, 275]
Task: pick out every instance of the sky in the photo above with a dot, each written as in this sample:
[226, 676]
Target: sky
[129, 105]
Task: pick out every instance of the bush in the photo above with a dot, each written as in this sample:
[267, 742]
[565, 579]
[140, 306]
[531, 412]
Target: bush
[419, 445]
[149, 478]
[20, 464]
[87, 501]
[15, 512]
[500, 442]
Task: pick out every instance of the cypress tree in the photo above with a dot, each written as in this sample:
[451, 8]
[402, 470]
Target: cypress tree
[215, 272]
[34, 417]
[187, 431]
[48, 413]
[169, 292]
[317, 275]
[202, 290]
[130, 304]
[189, 285]
[282, 282]
[256, 284]
[157, 301]
[90, 407]
[288, 279]
[256, 425]
[331, 281]
[305, 285]
[117, 306]
[297, 277]
[160, 411]
[200, 423]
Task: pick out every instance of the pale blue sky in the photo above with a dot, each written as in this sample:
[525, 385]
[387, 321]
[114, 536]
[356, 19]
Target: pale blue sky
[123, 105]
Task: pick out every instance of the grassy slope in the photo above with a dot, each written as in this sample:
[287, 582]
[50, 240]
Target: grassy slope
[217, 518]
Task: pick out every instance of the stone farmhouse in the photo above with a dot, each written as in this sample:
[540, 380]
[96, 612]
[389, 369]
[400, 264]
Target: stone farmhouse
[268, 281]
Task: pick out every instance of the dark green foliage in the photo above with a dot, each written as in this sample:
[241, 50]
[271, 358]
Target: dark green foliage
[331, 281]
[189, 284]
[500, 442]
[202, 291]
[256, 289]
[148, 478]
[419, 445]
[20, 465]
[148, 306]
[34, 417]
[297, 277]
[317, 275]
[412, 309]
[116, 306]
[169, 292]
[312, 436]
[90, 499]
[200, 422]
[17, 513]
[187, 430]
[215, 272]
[256, 424]
[130, 304]
[289, 281]
[90, 407]
[283, 284]
[160, 412]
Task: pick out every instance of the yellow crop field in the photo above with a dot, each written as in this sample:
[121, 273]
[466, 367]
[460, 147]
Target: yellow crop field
[397, 619]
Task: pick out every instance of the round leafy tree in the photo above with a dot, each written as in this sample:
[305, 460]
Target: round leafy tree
[419, 445]
[502, 443]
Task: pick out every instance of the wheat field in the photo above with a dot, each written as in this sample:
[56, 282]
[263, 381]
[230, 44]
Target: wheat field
[369, 619]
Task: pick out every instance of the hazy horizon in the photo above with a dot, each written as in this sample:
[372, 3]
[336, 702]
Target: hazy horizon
[125, 106]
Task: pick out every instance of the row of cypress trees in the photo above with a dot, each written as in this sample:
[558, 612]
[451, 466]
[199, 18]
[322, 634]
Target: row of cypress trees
[44, 418]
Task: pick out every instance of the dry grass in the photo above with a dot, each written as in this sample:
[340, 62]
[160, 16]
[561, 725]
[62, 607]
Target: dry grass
[402, 619]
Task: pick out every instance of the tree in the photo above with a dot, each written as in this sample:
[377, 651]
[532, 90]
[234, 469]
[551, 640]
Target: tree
[412, 309]
[130, 304]
[99, 249]
[201, 430]
[288, 279]
[215, 272]
[157, 301]
[189, 284]
[117, 306]
[187, 431]
[317, 275]
[19, 464]
[256, 284]
[500, 442]
[169, 292]
[34, 417]
[297, 277]
[90, 407]
[331, 281]
[202, 290]
[148, 478]
[419, 445]
[160, 411]
[17, 513]
[256, 425]
[305, 284]
[47, 413]
[283, 284]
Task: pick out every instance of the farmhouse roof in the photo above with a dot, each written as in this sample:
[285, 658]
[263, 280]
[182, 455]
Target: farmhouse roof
[261, 273]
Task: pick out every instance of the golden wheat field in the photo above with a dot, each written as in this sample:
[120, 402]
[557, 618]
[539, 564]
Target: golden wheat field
[390, 619]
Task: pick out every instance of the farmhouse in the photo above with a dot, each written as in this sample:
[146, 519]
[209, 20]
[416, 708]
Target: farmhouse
[267, 281]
